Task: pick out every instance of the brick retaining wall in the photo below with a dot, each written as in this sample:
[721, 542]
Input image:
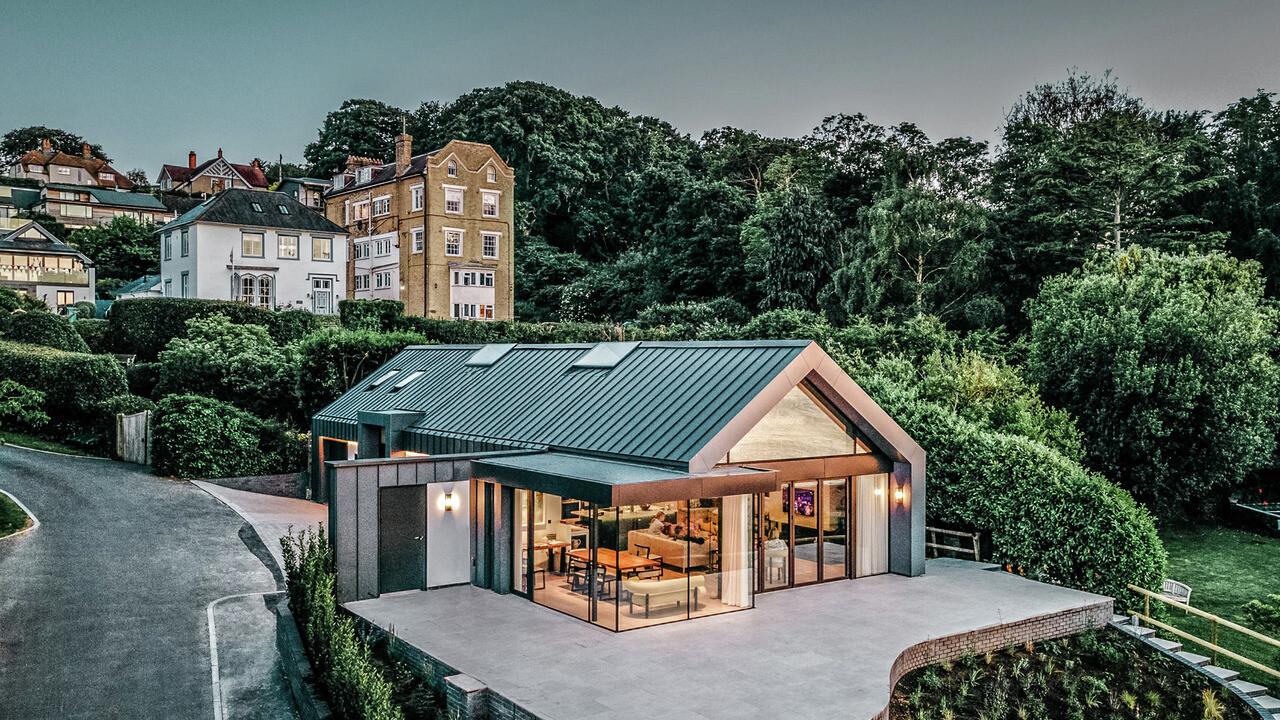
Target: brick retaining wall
[996, 637]
[291, 485]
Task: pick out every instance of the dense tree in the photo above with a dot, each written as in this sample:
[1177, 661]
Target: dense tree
[1084, 165]
[920, 252]
[806, 244]
[20, 405]
[124, 248]
[366, 128]
[20, 141]
[1166, 360]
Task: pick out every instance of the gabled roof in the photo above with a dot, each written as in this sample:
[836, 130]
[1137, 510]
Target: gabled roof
[184, 173]
[115, 198]
[31, 237]
[678, 405]
[235, 207]
[386, 172]
[305, 181]
[142, 284]
[92, 165]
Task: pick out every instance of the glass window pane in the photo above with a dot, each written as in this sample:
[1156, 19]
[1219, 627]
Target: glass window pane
[804, 514]
[798, 426]
[835, 530]
[775, 526]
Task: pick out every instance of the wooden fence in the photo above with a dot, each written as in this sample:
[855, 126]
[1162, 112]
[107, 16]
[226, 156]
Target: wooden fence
[952, 541]
[1212, 645]
[133, 437]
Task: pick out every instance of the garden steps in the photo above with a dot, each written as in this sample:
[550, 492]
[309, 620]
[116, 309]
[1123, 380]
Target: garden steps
[1224, 674]
[1142, 632]
[1193, 658]
[1248, 688]
[1268, 703]
[1167, 645]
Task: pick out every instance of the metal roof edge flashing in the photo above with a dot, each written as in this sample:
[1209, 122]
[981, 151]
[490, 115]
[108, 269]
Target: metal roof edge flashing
[605, 355]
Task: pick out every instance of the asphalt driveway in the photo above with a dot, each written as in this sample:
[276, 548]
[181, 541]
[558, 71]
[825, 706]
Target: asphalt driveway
[103, 607]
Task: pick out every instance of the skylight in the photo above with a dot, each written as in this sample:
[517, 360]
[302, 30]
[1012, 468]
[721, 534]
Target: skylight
[410, 378]
[283, 210]
[605, 355]
[256, 207]
[382, 379]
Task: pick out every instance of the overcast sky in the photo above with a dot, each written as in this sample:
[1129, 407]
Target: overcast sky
[152, 80]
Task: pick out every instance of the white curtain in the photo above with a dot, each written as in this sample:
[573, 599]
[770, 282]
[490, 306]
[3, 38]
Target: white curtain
[735, 554]
[872, 557]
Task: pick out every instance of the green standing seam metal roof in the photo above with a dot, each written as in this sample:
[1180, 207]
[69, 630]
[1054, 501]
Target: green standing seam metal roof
[660, 404]
[21, 198]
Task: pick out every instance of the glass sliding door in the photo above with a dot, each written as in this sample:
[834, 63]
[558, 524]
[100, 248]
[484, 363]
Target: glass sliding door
[835, 529]
[775, 533]
[872, 512]
[521, 560]
[805, 533]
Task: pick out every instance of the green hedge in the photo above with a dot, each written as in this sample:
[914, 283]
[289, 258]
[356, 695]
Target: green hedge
[37, 328]
[357, 687]
[94, 333]
[143, 378]
[198, 437]
[74, 384]
[144, 326]
[370, 314]
[331, 361]
[1045, 515]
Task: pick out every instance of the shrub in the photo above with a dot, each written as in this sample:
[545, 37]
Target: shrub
[720, 310]
[332, 361]
[143, 378]
[379, 315]
[45, 329]
[11, 300]
[94, 334]
[1045, 514]
[74, 384]
[20, 405]
[1264, 615]
[357, 687]
[288, 326]
[85, 310]
[239, 364]
[1167, 360]
[199, 437]
[144, 326]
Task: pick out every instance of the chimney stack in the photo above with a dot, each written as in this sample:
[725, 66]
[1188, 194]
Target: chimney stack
[46, 146]
[87, 153]
[257, 164]
[219, 152]
[191, 159]
[404, 145]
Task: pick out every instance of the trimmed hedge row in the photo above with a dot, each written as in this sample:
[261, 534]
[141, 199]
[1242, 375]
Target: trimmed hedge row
[193, 436]
[94, 334]
[74, 384]
[38, 328]
[144, 326]
[1046, 515]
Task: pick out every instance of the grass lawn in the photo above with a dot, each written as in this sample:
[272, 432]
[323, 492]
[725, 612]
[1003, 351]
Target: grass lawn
[12, 519]
[1225, 569]
[12, 438]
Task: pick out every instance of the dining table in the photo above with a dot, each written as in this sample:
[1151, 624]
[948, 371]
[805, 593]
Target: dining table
[625, 563]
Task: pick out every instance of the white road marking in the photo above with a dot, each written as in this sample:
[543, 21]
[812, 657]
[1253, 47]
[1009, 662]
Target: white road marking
[35, 523]
[218, 708]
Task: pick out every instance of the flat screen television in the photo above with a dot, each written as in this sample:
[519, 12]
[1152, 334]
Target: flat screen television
[804, 501]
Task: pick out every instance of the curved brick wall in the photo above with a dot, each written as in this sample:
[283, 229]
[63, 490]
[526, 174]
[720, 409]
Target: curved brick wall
[996, 637]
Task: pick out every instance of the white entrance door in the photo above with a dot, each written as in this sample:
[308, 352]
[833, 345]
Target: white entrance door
[322, 296]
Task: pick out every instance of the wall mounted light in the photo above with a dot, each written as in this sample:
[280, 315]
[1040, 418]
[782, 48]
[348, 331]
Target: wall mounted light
[450, 502]
[899, 495]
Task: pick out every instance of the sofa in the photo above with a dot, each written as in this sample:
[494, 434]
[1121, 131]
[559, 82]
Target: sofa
[672, 552]
[656, 593]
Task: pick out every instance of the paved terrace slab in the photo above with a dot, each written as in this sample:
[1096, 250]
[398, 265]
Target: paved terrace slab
[823, 651]
[271, 516]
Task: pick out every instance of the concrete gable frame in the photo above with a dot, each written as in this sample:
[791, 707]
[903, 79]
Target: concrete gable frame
[814, 366]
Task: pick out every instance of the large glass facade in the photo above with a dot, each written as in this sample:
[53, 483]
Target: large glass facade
[634, 566]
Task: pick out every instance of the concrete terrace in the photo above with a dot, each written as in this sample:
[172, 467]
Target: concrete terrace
[822, 651]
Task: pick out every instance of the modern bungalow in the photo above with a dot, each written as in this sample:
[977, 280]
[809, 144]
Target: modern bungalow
[624, 483]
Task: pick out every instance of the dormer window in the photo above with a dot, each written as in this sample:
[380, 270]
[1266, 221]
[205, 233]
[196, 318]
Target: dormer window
[453, 169]
[106, 177]
[364, 174]
[491, 174]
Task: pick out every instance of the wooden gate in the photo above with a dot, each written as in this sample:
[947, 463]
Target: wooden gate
[133, 437]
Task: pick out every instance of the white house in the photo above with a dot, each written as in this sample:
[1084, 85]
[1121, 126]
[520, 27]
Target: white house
[263, 248]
